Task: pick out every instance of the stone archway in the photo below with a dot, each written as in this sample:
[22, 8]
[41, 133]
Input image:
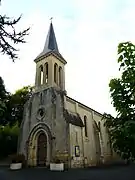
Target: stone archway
[39, 145]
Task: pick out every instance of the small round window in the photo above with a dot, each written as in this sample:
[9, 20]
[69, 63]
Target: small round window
[40, 113]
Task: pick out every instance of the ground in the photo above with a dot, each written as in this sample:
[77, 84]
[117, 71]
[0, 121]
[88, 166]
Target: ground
[106, 173]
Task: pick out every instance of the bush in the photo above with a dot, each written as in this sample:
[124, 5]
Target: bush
[56, 161]
[18, 158]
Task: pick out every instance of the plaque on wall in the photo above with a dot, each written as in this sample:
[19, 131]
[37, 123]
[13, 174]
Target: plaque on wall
[77, 151]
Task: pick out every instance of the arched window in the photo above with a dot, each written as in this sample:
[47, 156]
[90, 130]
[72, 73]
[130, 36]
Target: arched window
[76, 136]
[46, 73]
[41, 75]
[60, 76]
[99, 126]
[85, 126]
[55, 72]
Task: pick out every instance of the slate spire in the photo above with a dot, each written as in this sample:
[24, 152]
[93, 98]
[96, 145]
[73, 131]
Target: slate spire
[50, 43]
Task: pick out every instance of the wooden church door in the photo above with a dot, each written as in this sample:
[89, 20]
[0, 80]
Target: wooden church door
[41, 149]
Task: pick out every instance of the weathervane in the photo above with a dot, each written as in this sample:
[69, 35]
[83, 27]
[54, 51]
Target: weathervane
[51, 19]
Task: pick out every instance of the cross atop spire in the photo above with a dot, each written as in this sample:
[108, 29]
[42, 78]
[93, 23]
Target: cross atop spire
[50, 43]
[51, 19]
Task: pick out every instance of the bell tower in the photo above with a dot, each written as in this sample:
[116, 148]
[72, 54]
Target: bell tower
[50, 65]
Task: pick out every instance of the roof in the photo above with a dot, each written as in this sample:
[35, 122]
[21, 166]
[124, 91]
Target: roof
[74, 119]
[50, 44]
[84, 105]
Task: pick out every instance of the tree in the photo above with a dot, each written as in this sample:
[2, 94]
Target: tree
[12, 105]
[16, 103]
[122, 127]
[3, 92]
[3, 101]
[9, 37]
[8, 139]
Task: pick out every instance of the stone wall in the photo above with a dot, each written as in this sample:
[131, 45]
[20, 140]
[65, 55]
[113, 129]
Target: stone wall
[76, 141]
[45, 107]
[89, 145]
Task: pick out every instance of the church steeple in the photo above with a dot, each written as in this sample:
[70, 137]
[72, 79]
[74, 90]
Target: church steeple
[50, 43]
[50, 64]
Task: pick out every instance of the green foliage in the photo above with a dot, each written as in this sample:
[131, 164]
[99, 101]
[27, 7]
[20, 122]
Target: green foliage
[16, 103]
[122, 90]
[3, 101]
[12, 105]
[3, 92]
[17, 158]
[8, 139]
[11, 115]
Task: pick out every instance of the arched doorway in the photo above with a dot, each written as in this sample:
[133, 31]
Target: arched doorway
[41, 149]
[39, 146]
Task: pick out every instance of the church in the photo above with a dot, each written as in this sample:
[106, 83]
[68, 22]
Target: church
[54, 125]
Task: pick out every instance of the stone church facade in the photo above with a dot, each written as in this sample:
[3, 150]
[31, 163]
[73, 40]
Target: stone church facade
[55, 125]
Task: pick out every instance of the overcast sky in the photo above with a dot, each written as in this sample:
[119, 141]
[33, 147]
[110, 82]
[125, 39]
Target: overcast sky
[87, 34]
